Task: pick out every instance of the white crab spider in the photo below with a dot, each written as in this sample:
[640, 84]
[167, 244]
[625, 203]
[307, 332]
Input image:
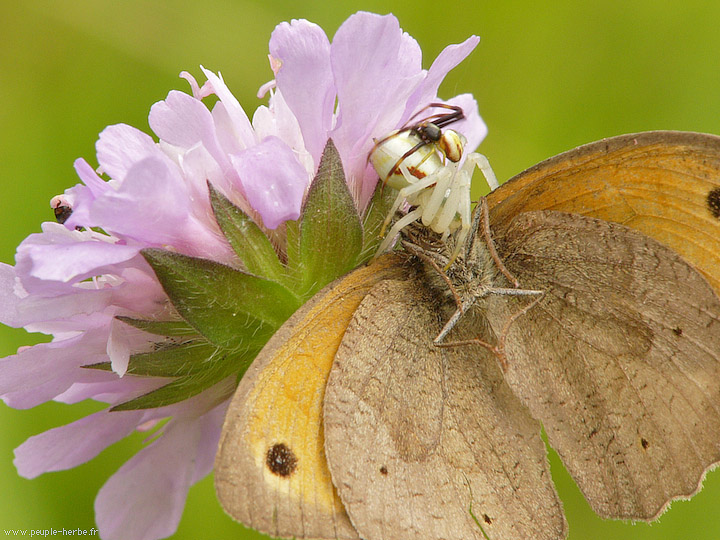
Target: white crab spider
[433, 178]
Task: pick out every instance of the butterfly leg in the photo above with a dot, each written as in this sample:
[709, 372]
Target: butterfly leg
[499, 349]
[421, 253]
[482, 213]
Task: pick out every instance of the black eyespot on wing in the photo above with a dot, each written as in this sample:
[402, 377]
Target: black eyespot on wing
[713, 202]
[281, 460]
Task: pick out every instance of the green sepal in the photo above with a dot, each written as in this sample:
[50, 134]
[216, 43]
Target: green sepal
[375, 215]
[232, 309]
[230, 314]
[292, 248]
[330, 230]
[182, 388]
[160, 328]
[247, 239]
[169, 359]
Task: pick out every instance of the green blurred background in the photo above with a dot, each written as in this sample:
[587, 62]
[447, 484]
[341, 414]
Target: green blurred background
[547, 78]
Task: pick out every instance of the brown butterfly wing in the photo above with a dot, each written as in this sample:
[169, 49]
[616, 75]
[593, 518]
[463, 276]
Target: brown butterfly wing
[270, 469]
[430, 443]
[665, 184]
[620, 359]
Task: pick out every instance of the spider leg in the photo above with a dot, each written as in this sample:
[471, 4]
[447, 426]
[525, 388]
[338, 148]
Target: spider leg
[461, 237]
[483, 164]
[458, 203]
[398, 201]
[448, 118]
[413, 185]
[396, 228]
[434, 201]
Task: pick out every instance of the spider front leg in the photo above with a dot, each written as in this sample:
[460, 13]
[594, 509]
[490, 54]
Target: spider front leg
[462, 184]
[408, 193]
[399, 225]
[457, 205]
[412, 187]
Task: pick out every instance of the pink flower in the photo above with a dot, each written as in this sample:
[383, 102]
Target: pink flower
[73, 280]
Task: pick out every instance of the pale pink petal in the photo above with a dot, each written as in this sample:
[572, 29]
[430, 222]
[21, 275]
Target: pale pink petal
[377, 67]
[211, 427]
[226, 132]
[61, 308]
[120, 147]
[197, 163]
[90, 178]
[69, 446]
[39, 373]
[133, 209]
[158, 478]
[305, 79]
[183, 121]
[142, 293]
[9, 299]
[241, 123]
[83, 196]
[279, 121]
[107, 387]
[118, 347]
[427, 91]
[273, 179]
[63, 329]
[58, 254]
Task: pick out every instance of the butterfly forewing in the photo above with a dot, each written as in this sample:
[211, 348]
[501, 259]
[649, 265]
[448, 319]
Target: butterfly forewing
[665, 184]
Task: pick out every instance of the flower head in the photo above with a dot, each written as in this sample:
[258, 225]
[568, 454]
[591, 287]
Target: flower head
[114, 282]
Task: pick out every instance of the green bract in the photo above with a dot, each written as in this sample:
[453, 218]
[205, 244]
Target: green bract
[228, 313]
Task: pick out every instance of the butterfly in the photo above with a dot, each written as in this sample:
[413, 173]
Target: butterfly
[351, 423]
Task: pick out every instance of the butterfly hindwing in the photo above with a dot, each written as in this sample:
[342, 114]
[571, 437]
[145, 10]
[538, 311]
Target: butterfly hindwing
[426, 442]
[270, 470]
[620, 360]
